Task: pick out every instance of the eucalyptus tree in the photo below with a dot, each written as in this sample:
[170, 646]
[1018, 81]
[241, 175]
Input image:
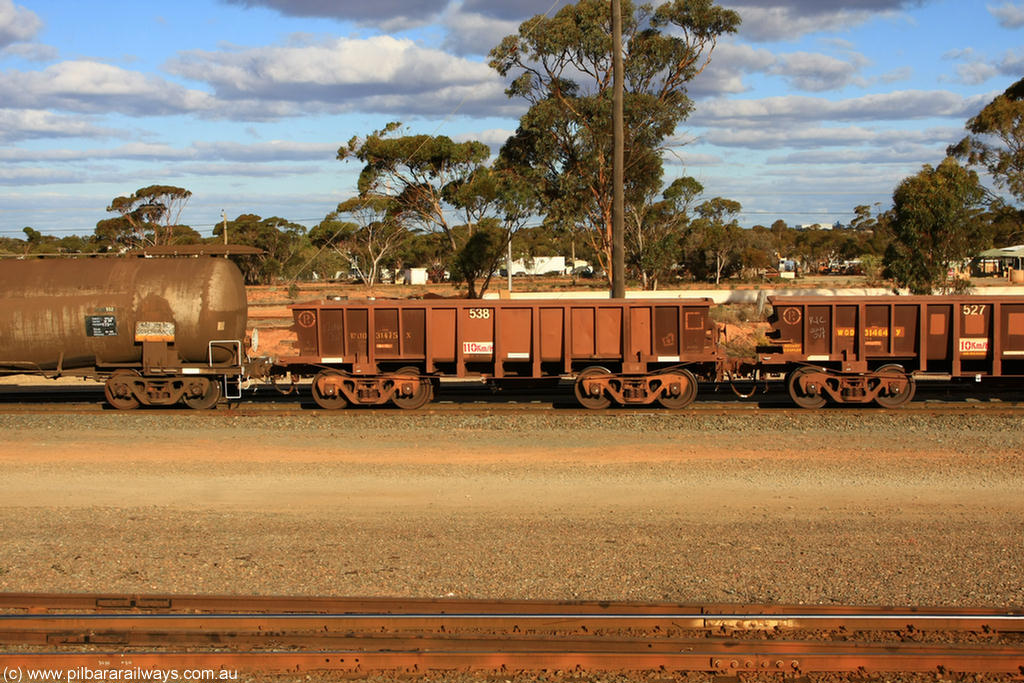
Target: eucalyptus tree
[936, 223]
[715, 242]
[562, 66]
[283, 243]
[996, 142]
[434, 184]
[654, 229]
[365, 241]
[149, 216]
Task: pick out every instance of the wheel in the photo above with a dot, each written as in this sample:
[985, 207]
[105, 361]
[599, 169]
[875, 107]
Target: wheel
[422, 394]
[205, 396]
[119, 390]
[589, 400]
[328, 397]
[904, 396]
[687, 392]
[799, 396]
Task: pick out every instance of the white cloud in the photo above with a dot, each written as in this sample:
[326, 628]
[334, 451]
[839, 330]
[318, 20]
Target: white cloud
[811, 71]
[902, 154]
[977, 70]
[24, 124]
[903, 73]
[42, 175]
[895, 106]
[493, 138]
[1009, 15]
[17, 24]
[975, 73]
[687, 160]
[817, 72]
[474, 33]
[789, 23]
[274, 150]
[388, 15]
[381, 74]
[96, 87]
[263, 152]
[815, 137]
[33, 52]
[729, 63]
[240, 170]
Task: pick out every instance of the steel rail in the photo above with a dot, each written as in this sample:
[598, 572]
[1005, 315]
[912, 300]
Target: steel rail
[363, 635]
[79, 401]
[22, 606]
[564, 622]
[791, 657]
[35, 603]
[469, 642]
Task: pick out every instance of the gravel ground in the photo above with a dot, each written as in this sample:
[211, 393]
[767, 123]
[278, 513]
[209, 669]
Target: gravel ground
[891, 508]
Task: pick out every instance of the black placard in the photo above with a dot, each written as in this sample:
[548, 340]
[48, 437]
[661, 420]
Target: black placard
[100, 326]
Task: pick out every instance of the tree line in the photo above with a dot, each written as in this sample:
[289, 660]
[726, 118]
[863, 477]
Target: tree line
[429, 201]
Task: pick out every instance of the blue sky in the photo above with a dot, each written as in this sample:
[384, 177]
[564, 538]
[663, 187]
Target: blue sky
[816, 106]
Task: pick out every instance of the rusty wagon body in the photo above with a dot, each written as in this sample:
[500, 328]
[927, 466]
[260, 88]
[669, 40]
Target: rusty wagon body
[627, 351]
[863, 349]
[156, 330]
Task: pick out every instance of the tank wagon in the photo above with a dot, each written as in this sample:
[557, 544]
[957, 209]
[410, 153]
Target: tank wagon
[622, 351]
[859, 350]
[156, 330]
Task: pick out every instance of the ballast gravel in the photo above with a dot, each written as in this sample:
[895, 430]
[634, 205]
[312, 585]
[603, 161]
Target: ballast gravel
[865, 507]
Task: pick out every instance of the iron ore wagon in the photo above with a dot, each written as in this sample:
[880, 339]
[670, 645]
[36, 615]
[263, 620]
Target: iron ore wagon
[858, 350]
[623, 351]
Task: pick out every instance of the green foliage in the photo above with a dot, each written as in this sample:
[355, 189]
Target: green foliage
[284, 244]
[996, 142]
[417, 172]
[36, 242]
[562, 67]
[149, 216]
[715, 243]
[654, 231]
[478, 258]
[366, 242]
[873, 268]
[1004, 225]
[936, 225]
[425, 180]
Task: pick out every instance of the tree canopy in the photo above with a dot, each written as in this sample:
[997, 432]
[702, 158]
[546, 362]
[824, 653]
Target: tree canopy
[996, 142]
[936, 224]
[149, 216]
[282, 242]
[437, 185]
[372, 235]
[562, 66]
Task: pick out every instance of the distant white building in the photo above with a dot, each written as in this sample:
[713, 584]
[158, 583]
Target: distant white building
[539, 265]
[415, 276]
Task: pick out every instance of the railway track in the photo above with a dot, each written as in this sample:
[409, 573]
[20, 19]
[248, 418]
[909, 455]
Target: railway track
[87, 398]
[359, 636]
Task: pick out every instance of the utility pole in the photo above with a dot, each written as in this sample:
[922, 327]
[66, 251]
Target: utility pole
[618, 156]
[224, 217]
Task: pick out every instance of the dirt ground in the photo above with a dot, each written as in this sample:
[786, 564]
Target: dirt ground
[834, 507]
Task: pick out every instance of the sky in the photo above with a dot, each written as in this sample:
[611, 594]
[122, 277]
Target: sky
[812, 108]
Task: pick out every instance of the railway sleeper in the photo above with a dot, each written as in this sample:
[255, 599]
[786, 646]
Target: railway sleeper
[889, 386]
